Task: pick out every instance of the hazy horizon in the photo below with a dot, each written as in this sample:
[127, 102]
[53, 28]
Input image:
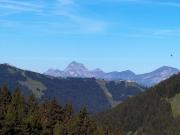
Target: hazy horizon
[90, 69]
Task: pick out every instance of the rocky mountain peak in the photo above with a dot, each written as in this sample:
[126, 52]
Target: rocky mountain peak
[74, 66]
[75, 69]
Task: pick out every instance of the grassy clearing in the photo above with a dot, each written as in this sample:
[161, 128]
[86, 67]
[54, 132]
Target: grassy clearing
[175, 104]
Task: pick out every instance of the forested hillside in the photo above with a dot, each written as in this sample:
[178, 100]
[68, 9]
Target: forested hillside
[25, 116]
[154, 112]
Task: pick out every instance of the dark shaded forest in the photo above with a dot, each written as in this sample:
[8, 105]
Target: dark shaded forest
[25, 116]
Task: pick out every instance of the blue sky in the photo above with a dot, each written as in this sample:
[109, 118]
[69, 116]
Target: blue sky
[139, 35]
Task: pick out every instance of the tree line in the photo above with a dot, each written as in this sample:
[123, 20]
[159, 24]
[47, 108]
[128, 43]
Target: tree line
[21, 115]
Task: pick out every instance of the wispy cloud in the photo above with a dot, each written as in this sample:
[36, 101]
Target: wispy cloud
[86, 24]
[19, 6]
[159, 33]
[166, 32]
[69, 9]
[65, 2]
[73, 20]
[143, 32]
[125, 1]
[152, 2]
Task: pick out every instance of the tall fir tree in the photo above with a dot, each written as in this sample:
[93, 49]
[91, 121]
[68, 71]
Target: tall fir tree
[32, 120]
[5, 99]
[85, 126]
[14, 119]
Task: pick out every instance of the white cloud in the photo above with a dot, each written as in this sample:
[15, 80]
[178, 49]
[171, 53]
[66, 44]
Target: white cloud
[87, 24]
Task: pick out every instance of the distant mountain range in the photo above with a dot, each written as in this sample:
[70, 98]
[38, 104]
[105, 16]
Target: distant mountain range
[75, 69]
[96, 94]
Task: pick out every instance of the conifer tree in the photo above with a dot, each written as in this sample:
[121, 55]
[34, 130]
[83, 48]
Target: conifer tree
[68, 112]
[5, 99]
[15, 114]
[32, 121]
[51, 114]
[85, 126]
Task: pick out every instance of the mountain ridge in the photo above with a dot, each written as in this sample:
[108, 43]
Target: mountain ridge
[147, 79]
[96, 95]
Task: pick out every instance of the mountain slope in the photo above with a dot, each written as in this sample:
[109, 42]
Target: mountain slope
[80, 92]
[154, 112]
[54, 72]
[149, 79]
[124, 75]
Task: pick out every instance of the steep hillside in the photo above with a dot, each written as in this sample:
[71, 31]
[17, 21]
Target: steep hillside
[154, 112]
[96, 95]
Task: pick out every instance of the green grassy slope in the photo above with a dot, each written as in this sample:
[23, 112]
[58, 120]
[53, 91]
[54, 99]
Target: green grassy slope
[175, 104]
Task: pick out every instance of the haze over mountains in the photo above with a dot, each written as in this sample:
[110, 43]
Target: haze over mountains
[94, 89]
[75, 69]
[95, 94]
